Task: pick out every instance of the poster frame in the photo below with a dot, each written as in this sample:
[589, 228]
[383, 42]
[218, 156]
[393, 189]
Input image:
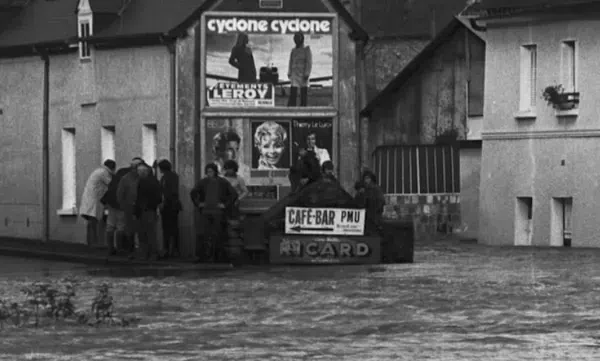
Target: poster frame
[265, 115]
[335, 61]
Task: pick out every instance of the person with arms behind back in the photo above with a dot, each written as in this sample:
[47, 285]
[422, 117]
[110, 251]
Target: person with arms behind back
[213, 196]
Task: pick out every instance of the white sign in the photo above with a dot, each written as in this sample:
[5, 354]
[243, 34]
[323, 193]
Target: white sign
[325, 221]
[234, 95]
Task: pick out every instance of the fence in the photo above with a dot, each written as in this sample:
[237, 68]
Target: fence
[417, 169]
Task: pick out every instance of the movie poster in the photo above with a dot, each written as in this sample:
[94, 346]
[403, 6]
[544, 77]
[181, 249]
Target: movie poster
[315, 135]
[271, 145]
[262, 61]
[226, 140]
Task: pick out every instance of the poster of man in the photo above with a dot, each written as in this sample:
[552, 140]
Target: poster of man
[313, 135]
[271, 148]
[225, 141]
[293, 55]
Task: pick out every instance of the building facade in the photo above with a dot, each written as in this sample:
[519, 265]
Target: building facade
[538, 184]
[103, 79]
[422, 125]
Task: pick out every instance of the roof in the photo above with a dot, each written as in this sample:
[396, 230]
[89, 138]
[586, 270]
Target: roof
[54, 23]
[417, 62]
[502, 8]
[408, 18]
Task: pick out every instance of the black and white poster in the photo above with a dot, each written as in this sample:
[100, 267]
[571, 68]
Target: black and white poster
[271, 144]
[313, 135]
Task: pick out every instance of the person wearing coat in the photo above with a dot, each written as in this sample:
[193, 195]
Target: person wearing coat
[170, 208]
[91, 208]
[305, 170]
[115, 222]
[148, 198]
[214, 196]
[126, 197]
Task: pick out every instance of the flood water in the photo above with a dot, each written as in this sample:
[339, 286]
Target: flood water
[458, 302]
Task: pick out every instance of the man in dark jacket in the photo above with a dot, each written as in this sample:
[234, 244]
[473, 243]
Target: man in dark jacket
[214, 196]
[170, 208]
[149, 197]
[305, 171]
[115, 221]
[126, 197]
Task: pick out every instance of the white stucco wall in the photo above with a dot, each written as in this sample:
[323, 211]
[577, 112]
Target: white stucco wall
[524, 158]
[21, 102]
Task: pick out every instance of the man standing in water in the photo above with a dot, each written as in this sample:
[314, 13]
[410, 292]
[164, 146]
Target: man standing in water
[213, 196]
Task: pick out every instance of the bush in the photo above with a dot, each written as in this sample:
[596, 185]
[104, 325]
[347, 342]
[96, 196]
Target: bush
[47, 302]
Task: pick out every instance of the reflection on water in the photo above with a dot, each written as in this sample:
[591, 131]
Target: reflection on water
[458, 302]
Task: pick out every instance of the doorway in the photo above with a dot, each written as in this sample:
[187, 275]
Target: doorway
[524, 221]
[561, 227]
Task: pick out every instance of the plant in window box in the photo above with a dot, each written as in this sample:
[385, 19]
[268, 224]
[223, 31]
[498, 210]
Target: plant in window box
[555, 96]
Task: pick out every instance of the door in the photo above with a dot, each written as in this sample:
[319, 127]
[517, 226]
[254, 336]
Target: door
[524, 221]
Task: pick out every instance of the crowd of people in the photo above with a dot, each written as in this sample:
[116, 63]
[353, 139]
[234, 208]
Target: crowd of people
[132, 200]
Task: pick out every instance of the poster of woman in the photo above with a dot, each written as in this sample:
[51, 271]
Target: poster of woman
[271, 148]
[313, 135]
[290, 53]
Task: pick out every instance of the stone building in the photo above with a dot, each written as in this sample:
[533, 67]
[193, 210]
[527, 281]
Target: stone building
[423, 132]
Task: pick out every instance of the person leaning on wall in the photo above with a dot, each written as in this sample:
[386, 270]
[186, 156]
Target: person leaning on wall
[91, 207]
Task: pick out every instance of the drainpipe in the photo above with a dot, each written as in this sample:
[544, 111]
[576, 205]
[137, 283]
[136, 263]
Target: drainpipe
[46, 150]
[170, 43]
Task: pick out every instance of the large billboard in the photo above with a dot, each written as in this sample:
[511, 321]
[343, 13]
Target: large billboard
[268, 60]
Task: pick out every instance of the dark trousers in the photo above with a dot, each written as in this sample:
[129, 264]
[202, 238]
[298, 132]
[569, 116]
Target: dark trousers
[212, 228]
[170, 226]
[294, 95]
[147, 232]
[92, 231]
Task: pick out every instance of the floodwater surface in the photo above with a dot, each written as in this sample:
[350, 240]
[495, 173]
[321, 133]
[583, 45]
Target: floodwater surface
[458, 302]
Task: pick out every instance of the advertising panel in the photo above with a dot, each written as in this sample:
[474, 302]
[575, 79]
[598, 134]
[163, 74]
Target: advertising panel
[266, 148]
[288, 57]
[324, 250]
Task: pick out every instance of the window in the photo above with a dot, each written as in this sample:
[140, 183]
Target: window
[69, 183]
[149, 140]
[568, 69]
[528, 77]
[107, 143]
[417, 169]
[84, 32]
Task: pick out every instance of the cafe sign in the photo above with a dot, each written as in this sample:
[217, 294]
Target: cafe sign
[324, 221]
